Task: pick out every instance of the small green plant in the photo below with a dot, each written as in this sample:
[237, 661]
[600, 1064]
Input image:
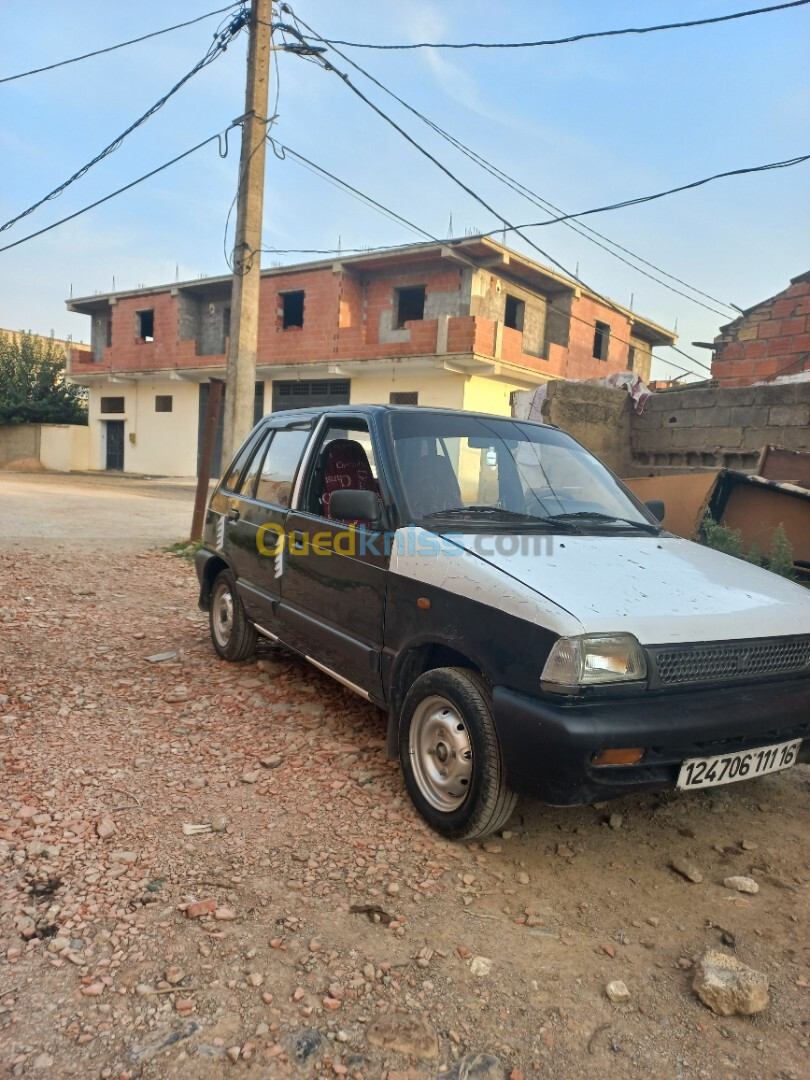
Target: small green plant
[780, 559]
[184, 549]
[721, 538]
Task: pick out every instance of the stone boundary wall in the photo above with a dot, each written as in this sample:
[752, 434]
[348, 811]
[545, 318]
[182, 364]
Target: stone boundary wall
[707, 428]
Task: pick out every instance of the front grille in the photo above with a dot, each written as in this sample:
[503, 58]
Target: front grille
[733, 661]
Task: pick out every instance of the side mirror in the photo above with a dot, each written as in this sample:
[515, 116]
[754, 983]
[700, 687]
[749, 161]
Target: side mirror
[351, 505]
[656, 508]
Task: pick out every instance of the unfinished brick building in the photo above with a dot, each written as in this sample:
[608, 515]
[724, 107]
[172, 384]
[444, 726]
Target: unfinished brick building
[460, 324]
[770, 339]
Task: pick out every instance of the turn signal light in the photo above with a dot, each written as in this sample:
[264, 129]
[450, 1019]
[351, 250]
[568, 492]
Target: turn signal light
[626, 756]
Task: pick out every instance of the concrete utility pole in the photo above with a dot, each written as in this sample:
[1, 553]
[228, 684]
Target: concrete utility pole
[241, 371]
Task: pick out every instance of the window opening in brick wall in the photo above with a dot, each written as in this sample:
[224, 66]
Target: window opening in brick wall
[108, 332]
[163, 402]
[146, 325]
[292, 304]
[631, 358]
[112, 404]
[601, 340]
[514, 311]
[226, 322]
[403, 397]
[410, 304]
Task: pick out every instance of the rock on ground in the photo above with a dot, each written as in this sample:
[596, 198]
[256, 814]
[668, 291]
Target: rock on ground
[728, 986]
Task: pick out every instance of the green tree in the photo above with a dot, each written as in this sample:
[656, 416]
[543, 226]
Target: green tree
[32, 383]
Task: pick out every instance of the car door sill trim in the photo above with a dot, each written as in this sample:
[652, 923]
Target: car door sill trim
[340, 678]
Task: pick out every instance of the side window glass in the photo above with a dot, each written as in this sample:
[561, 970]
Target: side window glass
[344, 460]
[232, 480]
[247, 484]
[280, 465]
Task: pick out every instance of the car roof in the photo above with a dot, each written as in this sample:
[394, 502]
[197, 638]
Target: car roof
[380, 410]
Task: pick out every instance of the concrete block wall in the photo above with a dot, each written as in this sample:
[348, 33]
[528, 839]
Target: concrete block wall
[598, 416]
[771, 338]
[719, 427]
[707, 428]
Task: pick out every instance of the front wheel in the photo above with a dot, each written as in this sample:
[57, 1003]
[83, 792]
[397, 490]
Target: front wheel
[450, 755]
[232, 635]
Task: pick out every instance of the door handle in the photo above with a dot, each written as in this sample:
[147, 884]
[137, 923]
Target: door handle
[233, 513]
[297, 539]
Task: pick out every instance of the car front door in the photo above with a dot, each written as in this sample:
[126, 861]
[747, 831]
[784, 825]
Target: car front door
[334, 579]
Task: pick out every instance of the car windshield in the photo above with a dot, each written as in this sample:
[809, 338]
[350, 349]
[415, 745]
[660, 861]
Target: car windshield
[505, 473]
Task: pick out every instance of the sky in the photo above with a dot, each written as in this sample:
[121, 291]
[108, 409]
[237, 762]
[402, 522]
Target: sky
[582, 125]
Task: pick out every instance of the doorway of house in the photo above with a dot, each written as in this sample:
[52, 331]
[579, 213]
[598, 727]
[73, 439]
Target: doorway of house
[115, 445]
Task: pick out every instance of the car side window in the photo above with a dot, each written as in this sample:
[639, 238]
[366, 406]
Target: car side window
[234, 477]
[343, 460]
[280, 465]
[247, 483]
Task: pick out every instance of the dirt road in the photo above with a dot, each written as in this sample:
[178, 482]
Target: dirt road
[92, 511]
[503, 949]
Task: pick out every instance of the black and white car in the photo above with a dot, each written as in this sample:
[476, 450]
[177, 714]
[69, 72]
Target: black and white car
[528, 625]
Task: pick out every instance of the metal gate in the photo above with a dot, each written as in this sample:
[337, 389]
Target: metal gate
[115, 445]
[304, 393]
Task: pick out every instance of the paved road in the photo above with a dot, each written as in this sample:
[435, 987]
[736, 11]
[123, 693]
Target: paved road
[92, 512]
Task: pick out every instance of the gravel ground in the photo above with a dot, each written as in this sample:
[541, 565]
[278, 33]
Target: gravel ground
[132, 945]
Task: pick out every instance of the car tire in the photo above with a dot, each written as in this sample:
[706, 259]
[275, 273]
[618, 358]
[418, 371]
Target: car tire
[450, 756]
[232, 636]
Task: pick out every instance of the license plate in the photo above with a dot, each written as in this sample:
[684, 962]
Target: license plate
[742, 765]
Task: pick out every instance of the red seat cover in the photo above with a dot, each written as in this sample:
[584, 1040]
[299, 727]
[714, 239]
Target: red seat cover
[345, 467]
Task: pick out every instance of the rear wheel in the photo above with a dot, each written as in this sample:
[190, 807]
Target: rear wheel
[232, 635]
[450, 755]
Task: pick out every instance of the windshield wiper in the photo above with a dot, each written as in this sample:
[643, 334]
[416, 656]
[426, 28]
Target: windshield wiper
[471, 513]
[595, 515]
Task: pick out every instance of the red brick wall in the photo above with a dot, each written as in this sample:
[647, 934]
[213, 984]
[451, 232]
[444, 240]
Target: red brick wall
[342, 319]
[581, 363]
[772, 339]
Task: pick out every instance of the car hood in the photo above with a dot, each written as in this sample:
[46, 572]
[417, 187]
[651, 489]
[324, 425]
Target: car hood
[659, 588]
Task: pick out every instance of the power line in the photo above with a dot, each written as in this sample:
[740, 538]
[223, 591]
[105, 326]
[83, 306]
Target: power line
[219, 46]
[566, 40]
[662, 194]
[433, 239]
[449, 173]
[581, 228]
[287, 151]
[126, 187]
[121, 45]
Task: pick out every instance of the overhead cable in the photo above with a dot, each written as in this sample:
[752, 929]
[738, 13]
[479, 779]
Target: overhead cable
[220, 135]
[456, 179]
[219, 46]
[120, 45]
[567, 40]
[515, 185]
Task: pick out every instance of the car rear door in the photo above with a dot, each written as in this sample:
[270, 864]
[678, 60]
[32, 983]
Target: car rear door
[334, 577]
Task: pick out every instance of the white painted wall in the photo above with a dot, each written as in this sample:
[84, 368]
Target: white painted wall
[441, 389]
[65, 447]
[156, 443]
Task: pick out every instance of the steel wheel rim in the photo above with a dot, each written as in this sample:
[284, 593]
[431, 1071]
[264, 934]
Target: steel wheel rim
[441, 753]
[222, 616]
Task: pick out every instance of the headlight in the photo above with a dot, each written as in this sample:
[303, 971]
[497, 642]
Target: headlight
[593, 659]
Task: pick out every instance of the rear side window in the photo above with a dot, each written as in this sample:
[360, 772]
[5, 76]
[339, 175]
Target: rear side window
[247, 481]
[280, 466]
[234, 477]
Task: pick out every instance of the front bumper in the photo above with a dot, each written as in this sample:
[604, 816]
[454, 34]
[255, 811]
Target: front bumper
[547, 746]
